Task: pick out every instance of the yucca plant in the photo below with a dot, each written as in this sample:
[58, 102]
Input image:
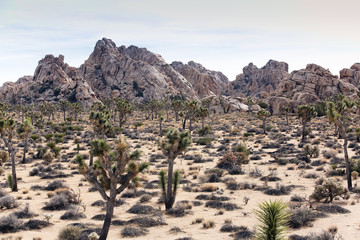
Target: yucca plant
[273, 217]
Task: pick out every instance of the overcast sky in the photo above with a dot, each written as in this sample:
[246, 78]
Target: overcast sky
[222, 35]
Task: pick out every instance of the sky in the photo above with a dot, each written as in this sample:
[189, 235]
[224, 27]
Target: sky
[222, 35]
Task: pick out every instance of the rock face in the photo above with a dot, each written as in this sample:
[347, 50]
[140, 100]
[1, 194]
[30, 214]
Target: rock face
[351, 75]
[205, 82]
[253, 81]
[309, 85]
[133, 73]
[53, 80]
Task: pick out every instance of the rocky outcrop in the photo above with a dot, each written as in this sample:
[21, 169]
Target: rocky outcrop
[53, 80]
[225, 104]
[133, 73]
[205, 82]
[309, 85]
[351, 75]
[255, 81]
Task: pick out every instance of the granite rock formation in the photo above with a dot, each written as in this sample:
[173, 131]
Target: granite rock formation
[255, 81]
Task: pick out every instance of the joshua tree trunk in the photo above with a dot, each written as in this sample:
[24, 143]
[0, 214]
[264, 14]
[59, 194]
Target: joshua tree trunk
[303, 133]
[190, 124]
[109, 214]
[13, 171]
[169, 201]
[184, 123]
[160, 124]
[348, 170]
[203, 124]
[264, 127]
[64, 112]
[287, 119]
[176, 116]
[25, 149]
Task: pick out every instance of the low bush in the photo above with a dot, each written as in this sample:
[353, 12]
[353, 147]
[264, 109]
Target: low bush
[8, 202]
[332, 209]
[73, 214]
[70, 233]
[302, 217]
[10, 223]
[141, 209]
[133, 232]
[222, 205]
[57, 202]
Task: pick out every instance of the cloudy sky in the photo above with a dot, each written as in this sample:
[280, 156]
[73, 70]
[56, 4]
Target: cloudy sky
[222, 35]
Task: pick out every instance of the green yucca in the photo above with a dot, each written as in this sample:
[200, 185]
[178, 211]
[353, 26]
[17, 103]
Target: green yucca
[273, 218]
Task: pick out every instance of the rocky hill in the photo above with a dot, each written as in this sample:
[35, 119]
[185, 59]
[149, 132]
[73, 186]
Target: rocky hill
[205, 82]
[309, 85]
[53, 80]
[134, 73]
[139, 75]
[254, 81]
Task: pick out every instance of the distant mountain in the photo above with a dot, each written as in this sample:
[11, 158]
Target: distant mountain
[139, 75]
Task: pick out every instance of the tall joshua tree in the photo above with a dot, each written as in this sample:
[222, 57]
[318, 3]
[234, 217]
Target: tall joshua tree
[263, 115]
[286, 111]
[111, 174]
[339, 113]
[175, 142]
[123, 107]
[24, 131]
[7, 128]
[305, 113]
[202, 113]
[177, 105]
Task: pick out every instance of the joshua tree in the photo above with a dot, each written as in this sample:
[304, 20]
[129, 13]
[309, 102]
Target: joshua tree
[202, 113]
[286, 111]
[273, 218]
[113, 171]
[263, 115]
[76, 110]
[339, 114]
[64, 106]
[101, 127]
[173, 144]
[329, 189]
[177, 105]
[190, 110]
[305, 113]
[123, 107]
[7, 127]
[161, 119]
[24, 131]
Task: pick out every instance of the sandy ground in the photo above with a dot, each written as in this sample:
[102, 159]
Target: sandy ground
[348, 224]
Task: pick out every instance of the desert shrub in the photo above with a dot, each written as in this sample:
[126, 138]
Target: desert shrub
[263, 105]
[278, 190]
[302, 217]
[98, 203]
[145, 198]
[141, 209]
[52, 186]
[233, 185]
[35, 224]
[25, 212]
[332, 209]
[133, 232]
[242, 148]
[248, 134]
[232, 160]
[212, 197]
[328, 190]
[208, 224]
[69, 194]
[310, 152]
[228, 227]
[243, 234]
[73, 214]
[99, 217]
[208, 187]
[8, 202]
[57, 202]
[203, 141]
[48, 156]
[178, 211]
[4, 157]
[205, 131]
[222, 205]
[10, 223]
[146, 222]
[70, 233]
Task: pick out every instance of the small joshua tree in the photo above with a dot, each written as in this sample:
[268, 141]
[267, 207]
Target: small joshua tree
[24, 131]
[328, 190]
[112, 171]
[123, 107]
[310, 152]
[286, 111]
[7, 128]
[273, 218]
[202, 113]
[305, 113]
[175, 142]
[263, 115]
